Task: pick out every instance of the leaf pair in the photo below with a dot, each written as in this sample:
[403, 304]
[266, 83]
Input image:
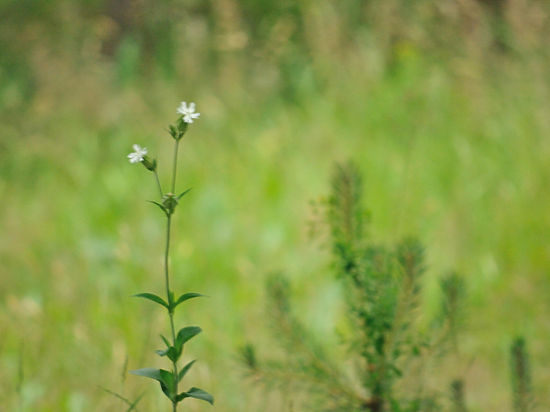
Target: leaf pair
[167, 383]
[168, 209]
[171, 306]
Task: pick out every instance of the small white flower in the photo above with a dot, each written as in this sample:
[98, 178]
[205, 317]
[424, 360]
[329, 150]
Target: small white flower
[137, 155]
[188, 112]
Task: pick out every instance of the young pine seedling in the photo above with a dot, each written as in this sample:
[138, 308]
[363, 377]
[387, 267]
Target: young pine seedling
[387, 350]
[168, 201]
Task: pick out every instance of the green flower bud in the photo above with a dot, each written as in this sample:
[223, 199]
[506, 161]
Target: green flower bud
[179, 130]
[150, 164]
[182, 127]
[173, 132]
[170, 201]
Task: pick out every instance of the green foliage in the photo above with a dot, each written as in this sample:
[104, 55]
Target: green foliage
[197, 394]
[382, 291]
[449, 126]
[382, 287]
[248, 357]
[184, 297]
[185, 369]
[186, 334]
[154, 298]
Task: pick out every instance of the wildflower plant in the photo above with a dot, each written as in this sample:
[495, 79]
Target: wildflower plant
[174, 345]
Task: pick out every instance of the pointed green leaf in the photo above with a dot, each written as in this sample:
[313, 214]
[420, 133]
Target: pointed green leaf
[167, 383]
[197, 394]
[164, 377]
[187, 296]
[173, 131]
[165, 341]
[183, 193]
[148, 373]
[159, 205]
[172, 353]
[161, 352]
[185, 369]
[152, 297]
[185, 334]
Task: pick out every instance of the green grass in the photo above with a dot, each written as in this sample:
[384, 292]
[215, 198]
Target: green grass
[460, 160]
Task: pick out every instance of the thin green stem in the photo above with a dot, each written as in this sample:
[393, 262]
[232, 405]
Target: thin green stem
[158, 184]
[175, 364]
[167, 274]
[166, 256]
[175, 167]
[169, 298]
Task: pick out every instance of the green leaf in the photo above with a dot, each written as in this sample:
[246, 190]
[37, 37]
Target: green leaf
[172, 353]
[159, 205]
[167, 384]
[152, 297]
[187, 296]
[185, 369]
[197, 394]
[187, 333]
[165, 341]
[183, 193]
[148, 373]
[164, 377]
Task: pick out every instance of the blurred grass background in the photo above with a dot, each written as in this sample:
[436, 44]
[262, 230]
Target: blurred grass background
[443, 104]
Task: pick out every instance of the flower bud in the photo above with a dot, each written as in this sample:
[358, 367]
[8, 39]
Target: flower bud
[170, 201]
[179, 130]
[182, 126]
[150, 164]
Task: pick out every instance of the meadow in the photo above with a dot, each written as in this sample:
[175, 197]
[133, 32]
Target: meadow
[444, 107]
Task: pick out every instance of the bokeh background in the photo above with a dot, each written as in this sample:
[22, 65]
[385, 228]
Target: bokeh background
[444, 104]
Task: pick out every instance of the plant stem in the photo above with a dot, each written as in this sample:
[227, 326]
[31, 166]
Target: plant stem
[166, 255]
[169, 298]
[158, 184]
[175, 166]
[167, 275]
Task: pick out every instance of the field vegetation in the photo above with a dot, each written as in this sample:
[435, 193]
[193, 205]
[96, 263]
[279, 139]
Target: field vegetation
[442, 105]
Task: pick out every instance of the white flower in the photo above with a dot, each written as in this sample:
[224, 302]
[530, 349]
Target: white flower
[137, 155]
[188, 112]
